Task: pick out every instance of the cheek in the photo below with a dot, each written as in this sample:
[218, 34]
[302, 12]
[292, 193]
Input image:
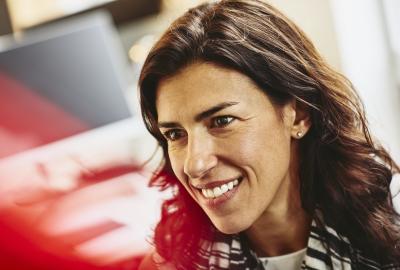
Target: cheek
[265, 150]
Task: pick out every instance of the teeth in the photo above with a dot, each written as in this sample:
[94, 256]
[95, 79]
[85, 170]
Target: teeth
[224, 188]
[230, 185]
[218, 191]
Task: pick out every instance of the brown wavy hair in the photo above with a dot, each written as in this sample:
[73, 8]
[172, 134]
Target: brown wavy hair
[344, 172]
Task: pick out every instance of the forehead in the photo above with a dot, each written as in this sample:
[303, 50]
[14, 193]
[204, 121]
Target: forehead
[202, 85]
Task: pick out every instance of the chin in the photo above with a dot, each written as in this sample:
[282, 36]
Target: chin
[230, 227]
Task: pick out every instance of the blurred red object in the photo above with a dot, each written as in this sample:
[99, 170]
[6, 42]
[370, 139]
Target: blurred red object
[28, 120]
[18, 250]
[100, 223]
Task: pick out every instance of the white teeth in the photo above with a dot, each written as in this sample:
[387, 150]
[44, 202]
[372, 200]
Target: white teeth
[218, 191]
[210, 193]
[224, 188]
[230, 185]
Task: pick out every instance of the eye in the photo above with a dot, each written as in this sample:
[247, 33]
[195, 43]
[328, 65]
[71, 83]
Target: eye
[173, 134]
[221, 121]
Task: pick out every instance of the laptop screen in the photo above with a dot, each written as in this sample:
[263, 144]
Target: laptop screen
[61, 80]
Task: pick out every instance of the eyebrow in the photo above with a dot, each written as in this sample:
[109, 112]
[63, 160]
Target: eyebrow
[200, 116]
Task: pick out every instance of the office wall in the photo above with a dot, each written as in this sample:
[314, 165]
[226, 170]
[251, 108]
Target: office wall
[5, 23]
[368, 60]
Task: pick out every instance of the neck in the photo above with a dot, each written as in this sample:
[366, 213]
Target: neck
[283, 228]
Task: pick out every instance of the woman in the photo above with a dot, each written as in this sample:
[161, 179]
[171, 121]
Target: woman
[266, 147]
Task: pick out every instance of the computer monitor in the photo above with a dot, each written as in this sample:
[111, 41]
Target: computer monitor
[60, 80]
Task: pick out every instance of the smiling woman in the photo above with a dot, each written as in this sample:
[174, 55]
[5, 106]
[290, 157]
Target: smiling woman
[229, 134]
[266, 147]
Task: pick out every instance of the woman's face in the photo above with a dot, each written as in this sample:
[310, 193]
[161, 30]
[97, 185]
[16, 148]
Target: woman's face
[229, 146]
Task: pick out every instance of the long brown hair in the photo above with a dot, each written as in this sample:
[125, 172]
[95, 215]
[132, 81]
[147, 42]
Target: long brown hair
[344, 172]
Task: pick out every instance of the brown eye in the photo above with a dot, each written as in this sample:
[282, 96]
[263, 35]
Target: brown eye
[221, 121]
[173, 134]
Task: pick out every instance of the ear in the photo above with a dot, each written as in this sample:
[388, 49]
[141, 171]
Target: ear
[302, 120]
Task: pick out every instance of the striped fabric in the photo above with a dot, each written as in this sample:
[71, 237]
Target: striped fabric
[325, 250]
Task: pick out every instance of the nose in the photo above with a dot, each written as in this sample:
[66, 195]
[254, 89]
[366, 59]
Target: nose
[200, 157]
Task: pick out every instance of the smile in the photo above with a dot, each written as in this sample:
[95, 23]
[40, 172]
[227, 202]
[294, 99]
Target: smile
[211, 193]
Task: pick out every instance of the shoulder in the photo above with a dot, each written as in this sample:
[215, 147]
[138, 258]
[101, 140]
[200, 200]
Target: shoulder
[153, 261]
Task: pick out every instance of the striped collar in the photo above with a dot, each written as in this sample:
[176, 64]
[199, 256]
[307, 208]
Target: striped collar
[325, 250]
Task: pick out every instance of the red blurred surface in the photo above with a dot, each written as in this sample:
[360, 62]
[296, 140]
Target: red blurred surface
[28, 120]
[76, 203]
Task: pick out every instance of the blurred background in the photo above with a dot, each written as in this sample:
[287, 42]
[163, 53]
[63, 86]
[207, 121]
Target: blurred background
[75, 158]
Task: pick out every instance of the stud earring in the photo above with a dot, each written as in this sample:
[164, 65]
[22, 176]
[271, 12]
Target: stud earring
[299, 134]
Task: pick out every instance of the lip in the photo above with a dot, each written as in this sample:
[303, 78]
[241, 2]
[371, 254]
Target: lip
[216, 183]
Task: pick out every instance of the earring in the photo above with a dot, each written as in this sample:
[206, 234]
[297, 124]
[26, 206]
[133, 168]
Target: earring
[299, 134]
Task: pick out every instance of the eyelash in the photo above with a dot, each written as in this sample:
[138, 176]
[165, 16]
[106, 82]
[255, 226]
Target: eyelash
[169, 133]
